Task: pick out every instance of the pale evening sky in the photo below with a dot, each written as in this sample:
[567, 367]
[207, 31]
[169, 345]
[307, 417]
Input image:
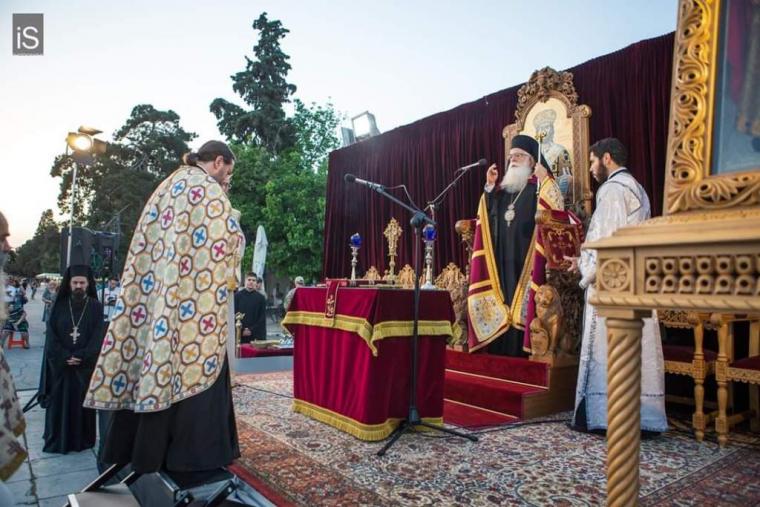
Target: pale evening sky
[400, 60]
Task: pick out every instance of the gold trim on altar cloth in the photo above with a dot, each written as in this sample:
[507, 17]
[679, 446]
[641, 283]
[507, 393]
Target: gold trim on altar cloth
[369, 333]
[362, 431]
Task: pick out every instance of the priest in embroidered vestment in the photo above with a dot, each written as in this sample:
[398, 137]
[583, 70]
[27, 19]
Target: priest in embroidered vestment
[163, 367]
[72, 343]
[12, 422]
[620, 201]
[503, 249]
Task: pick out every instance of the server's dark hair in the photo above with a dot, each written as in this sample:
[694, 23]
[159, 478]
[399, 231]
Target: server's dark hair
[208, 152]
[614, 147]
[251, 274]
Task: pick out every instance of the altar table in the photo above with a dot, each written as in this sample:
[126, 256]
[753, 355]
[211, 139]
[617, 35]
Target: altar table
[352, 356]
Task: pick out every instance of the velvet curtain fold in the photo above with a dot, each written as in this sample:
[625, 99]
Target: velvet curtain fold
[629, 95]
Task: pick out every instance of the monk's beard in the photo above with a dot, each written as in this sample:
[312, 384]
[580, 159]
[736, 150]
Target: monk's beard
[515, 178]
[78, 297]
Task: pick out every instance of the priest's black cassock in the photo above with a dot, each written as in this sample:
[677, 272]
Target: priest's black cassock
[69, 427]
[511, 244]
[253, 305]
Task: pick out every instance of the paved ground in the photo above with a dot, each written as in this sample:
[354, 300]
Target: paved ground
[45, 479]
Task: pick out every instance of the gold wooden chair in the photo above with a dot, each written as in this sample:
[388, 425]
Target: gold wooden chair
[694, 362]
[745, 370]
[748, 371]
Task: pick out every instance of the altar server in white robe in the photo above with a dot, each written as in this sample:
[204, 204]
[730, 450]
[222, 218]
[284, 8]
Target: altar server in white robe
[620, 201]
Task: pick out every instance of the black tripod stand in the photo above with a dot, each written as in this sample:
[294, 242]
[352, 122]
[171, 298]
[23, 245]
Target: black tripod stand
[413, 416]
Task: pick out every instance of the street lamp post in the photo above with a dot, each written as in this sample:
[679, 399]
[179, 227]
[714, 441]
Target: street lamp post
[71, 213]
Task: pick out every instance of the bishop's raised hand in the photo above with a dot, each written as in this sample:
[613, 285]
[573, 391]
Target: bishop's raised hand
[492, 174]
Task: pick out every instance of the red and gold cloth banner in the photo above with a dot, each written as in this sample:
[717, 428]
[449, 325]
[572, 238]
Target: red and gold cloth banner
[352, 371]
[489, 314]
[560, 235]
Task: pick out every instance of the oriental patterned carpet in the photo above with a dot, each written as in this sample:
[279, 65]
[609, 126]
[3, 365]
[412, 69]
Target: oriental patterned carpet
[294, 460]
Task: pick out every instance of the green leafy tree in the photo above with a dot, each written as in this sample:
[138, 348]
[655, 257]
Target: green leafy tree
[316, 127]
[112, 191]
[285, 193]
[294, 213]
[152, 141]
[49, 237]
[264, 88]
[40, 254]
[254, 167]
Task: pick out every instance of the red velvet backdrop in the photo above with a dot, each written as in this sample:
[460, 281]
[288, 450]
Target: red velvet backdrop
[629, 95]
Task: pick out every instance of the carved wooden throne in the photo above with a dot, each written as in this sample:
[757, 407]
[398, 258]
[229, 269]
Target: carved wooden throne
[548, 109]
[548, 104]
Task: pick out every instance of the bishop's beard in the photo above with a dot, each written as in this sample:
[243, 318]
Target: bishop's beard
[515, 178]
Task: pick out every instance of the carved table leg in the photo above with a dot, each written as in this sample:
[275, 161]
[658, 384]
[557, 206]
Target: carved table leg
[699, 374]
[623, 410]
[754, 389]
[721, 366]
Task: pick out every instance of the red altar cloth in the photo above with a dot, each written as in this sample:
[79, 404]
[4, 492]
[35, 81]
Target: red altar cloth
[353, 371]
[247, 350]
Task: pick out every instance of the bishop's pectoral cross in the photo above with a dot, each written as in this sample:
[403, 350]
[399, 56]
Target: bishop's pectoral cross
[510, 214]
[74, 334]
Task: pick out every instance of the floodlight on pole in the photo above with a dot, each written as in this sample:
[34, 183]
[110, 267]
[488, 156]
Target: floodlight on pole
[364, 126]
[79, 142]
[84, 146]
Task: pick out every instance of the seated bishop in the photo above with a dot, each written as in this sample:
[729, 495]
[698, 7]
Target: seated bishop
[501, 271]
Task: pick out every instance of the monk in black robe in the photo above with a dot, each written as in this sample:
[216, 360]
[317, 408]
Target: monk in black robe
[72, 343]
[253, 305]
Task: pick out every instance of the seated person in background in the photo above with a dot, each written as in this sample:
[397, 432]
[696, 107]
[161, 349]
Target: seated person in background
[16, 323]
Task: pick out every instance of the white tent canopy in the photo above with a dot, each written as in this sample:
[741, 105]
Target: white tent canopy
[260, 253]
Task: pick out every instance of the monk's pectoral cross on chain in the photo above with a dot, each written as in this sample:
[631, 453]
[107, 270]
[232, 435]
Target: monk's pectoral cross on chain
[74, 334]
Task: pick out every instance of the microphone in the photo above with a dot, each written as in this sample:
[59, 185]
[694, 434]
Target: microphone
[350, 178]
[480, 163]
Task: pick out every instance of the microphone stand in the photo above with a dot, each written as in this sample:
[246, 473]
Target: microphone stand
[435, 202]
[419, 219]
[432, 205]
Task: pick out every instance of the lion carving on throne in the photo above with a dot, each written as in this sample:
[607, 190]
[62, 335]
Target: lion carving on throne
[545, 327]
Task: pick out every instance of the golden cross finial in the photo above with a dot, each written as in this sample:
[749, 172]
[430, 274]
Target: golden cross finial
[392, 234]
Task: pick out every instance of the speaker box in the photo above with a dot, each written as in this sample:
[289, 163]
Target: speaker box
[81, 247]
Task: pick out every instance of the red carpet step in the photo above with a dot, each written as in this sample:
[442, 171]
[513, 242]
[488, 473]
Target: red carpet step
[470, 416]
[508, 368]
[495, 394]
[486, 390]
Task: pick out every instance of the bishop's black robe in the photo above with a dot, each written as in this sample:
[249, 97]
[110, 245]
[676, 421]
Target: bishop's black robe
[69, 427]
[253, 305]
[511, 245]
